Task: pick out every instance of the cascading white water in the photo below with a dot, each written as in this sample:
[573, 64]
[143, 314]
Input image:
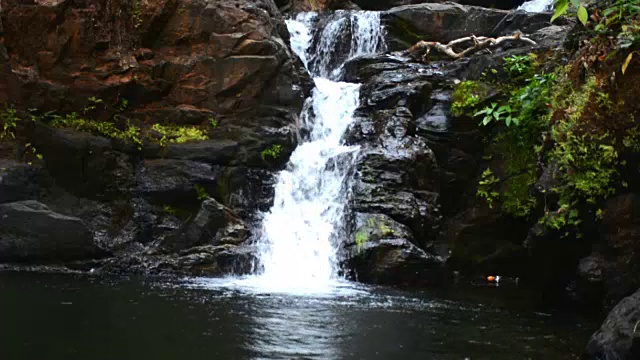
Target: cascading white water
[298, 247]
[363, 26]
[536, 5]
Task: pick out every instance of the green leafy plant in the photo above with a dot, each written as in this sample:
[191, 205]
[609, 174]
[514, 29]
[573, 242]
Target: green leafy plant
[9, 120]
[93, 103]
[201, 192]
[466, 96]
[178, 134]
[497, 113]
[104, 128]
[520, 66]
[562, 7]
[170, 210]
[487, 187]
[136, 13]
[272, 152]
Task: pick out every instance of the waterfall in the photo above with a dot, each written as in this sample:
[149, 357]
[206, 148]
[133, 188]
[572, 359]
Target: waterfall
[299, 237]
[536, 5]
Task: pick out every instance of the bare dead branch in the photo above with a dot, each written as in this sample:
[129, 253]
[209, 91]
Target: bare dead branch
[423, 48]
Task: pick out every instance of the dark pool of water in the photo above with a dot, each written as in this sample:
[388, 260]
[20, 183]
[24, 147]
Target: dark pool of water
[81, 317]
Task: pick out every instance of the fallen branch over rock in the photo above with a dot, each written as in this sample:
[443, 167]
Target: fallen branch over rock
[422, 49]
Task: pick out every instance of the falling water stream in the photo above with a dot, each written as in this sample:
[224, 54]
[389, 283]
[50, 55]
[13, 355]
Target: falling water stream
[536, 5]
[299, 239]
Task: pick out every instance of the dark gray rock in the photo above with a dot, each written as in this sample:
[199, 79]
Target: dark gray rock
[171, 181]
[382, 251]
[20, 181]
[397, 176]
[214, 224]
[444, 22]
[30, 232]
[618, 243]
[83, 164]
[619, 337]
[218, 260]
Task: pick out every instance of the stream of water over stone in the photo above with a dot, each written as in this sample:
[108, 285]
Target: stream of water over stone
[536, 5]
[300, 236]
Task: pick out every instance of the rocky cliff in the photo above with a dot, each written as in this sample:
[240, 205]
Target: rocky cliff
[140, 79]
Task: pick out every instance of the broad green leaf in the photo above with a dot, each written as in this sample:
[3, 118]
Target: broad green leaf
[583, 16]
[626, 62]
[561, 8]
[576, 3]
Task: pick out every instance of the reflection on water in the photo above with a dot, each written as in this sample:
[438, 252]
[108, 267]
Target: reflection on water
[75, 317]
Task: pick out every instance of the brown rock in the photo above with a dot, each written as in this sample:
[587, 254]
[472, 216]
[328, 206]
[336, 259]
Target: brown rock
[174, 61]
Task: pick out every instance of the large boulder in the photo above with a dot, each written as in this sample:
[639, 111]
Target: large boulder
[20, 181]
[214, 224]
[382, 251]
[619, 337]
[444, 22]
[30, 232]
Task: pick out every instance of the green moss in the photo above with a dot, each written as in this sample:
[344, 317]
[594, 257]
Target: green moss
[127, 132]
[362, 237]
[178, 134]
[467, 95]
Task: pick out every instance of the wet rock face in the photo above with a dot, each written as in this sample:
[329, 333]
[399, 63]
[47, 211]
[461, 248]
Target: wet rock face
[616, 269]
[215, 224]
[444, 22]
[175, 61]
[419, 167]
[31, 232]
[395, 190]
[383, 252]
[618, 337]
[182, 62]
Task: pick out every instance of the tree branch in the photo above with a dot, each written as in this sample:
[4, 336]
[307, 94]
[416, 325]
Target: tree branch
[423, 48]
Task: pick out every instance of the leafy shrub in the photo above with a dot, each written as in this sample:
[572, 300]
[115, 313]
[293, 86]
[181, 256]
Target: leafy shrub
[520, 66]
